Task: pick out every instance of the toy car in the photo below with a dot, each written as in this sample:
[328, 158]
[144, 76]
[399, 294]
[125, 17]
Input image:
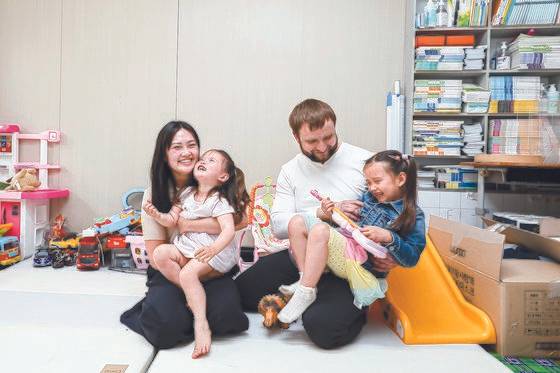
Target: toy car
[88, 253]
[57, 259]
[71, 242]
[115, 241]
[120, 222]
[9, 251]
[42, 257]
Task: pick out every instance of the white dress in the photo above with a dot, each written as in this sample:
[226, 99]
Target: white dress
[189, 242]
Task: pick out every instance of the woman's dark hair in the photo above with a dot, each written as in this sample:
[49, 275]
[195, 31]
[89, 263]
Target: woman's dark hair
[161, 178]
[233, 190]
[396, 163]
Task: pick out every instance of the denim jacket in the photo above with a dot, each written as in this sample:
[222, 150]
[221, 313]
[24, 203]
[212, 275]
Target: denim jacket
[406, 249]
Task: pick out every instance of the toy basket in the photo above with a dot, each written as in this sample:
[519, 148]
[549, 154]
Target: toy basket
[138, 250]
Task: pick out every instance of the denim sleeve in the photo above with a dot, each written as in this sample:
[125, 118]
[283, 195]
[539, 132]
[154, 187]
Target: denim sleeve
[407, 249]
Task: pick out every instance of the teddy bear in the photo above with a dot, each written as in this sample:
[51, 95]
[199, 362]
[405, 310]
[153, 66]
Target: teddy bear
[269, 306]
[25, 180]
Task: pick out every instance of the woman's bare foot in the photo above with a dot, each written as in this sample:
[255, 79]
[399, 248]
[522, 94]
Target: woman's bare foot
[202, 338]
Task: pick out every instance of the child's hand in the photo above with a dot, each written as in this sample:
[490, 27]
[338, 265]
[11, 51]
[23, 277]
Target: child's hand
[377, 234]
[205, 253]
[327, 206]
[150, 209]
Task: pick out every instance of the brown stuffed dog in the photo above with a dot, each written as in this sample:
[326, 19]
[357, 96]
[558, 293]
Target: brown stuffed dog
[25, 180]
[269, 306]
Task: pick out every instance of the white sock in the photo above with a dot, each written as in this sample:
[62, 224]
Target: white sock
[290, 289]
[303, 297]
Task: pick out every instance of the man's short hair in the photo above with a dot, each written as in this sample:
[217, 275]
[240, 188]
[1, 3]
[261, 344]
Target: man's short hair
[311, 111]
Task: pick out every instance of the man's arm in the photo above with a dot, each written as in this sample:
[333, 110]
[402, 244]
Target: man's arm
[284, 206]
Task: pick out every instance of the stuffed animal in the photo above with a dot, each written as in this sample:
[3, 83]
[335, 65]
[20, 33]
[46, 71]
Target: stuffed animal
[25, 180]
[269, 306]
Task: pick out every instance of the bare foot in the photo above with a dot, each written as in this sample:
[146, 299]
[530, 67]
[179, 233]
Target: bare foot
[202, 339]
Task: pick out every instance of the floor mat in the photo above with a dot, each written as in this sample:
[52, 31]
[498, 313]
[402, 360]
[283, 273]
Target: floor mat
[527, 365]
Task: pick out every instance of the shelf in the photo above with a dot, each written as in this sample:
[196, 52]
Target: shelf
[445, 115]
[443, 157]
[449, 73]
[511, 31]
[451, 30]
[511, 165]
[522, 115]
[541, 72]
[447, 190]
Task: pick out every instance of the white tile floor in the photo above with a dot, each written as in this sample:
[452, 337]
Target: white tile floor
[67, 321]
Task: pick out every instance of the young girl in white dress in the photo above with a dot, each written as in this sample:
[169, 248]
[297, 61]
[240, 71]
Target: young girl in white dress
[219, 192]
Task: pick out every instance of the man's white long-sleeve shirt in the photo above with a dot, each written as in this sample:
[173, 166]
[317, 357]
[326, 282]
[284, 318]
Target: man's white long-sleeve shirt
[340, 178]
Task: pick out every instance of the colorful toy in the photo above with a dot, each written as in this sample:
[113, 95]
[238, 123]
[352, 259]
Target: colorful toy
[28, 211]
[262, 197]
[10, 252]
[269, 306]
[24, 180]
[57, 231]
[4, 228]
[138, 250]
[121, 222]
[71, 242]
[89, 254]
[345, 223]
[42, 257]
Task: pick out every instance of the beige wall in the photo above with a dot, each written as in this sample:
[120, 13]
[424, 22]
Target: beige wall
[109, 73]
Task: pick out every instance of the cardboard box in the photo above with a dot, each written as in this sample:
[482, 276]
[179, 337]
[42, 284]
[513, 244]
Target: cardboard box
[521, 297]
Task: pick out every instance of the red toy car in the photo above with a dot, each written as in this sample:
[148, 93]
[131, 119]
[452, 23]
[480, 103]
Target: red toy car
[89, 253]
[115, 241]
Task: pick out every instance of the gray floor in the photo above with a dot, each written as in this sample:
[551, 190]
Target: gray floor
[67, 321]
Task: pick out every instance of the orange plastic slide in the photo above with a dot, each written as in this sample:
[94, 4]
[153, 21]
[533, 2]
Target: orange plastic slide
[424, 306]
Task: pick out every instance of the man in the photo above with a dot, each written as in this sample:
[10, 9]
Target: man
[335, 169]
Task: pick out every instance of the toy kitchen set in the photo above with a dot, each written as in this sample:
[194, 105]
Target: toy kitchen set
[24, 203]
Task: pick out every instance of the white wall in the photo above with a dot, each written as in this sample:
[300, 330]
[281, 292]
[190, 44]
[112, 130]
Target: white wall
[110, 73]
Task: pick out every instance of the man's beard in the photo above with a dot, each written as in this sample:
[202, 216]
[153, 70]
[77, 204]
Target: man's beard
[312, 157]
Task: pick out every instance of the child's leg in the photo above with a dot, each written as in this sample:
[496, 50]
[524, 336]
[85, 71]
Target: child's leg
[297, 234]
[315, 263]
[190, 277]
[169, 261]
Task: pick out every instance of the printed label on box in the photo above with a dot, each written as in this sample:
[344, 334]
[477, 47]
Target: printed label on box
[542, 314]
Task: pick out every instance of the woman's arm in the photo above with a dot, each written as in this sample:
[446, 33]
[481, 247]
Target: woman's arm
[150, 247]
[227, 234]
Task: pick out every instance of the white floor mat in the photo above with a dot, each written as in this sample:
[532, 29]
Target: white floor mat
[377, 349]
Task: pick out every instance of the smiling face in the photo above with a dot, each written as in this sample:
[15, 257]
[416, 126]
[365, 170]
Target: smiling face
[382, 183]
[210, 169]
[182, 155]
[320, 144]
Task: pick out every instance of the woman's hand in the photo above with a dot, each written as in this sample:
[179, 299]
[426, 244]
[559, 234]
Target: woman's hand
[205, 253]
[376, 234]
[383, 265]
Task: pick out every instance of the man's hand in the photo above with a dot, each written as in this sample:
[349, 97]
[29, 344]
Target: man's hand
[205, 253]
[327, 207]
[383, 265]
[351, 208]
[150, 209]
[376, 234]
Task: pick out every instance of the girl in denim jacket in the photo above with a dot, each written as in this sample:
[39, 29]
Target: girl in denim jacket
[389, 216]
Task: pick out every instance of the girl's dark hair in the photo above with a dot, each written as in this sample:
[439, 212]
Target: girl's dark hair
[233, 190]
[397, 162]
[161, 178]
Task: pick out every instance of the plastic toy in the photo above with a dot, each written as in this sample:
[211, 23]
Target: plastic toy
[57, 258]
[27, 211]
[138, 250]
[269, 306]
[121, 222]
[57, 231]
[71, 242]
[88, 254]
[344, 222]
[42, 257]
[10, 252]
[262, 197]
[4, 228]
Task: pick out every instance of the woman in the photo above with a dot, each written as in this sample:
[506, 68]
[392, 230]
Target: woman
[162, 317]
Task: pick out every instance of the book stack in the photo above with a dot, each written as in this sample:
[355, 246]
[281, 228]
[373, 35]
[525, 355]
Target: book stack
[440, 58]
[441, 96]
[475, 98]
[437, 137]
[515, 136]
[514, 94]
[456, 178]
[426, 178]
[525, 12]
[474, 58]
[473, 138]
[472, 12]
[535, 52]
